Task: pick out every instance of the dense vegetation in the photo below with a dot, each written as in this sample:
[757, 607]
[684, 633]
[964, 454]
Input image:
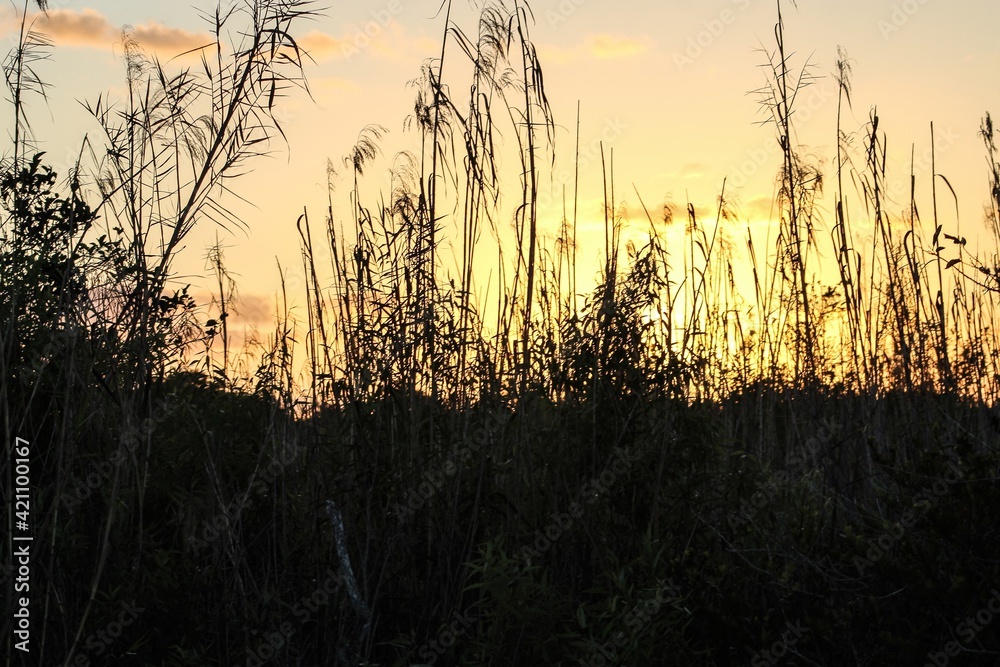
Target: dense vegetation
[663, 471]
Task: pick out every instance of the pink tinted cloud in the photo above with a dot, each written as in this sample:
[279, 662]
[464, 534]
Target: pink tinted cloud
[322, 46]
[88, 28]
[607, 46]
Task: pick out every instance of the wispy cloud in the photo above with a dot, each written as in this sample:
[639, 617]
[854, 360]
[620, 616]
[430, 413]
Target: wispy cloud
[247, 309]
[599, 46]
[169, 41]
[389, 43]
[607, 47]
[88, 28]
[760, 207]
[255, 309]
[333, 85]
[694, 170]
[322, 46]
[556, 54]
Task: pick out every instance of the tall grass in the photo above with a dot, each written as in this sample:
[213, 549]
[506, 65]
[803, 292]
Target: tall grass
[538, 465]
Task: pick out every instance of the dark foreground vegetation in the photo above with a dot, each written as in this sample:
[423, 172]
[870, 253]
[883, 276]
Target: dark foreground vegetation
[660, 473]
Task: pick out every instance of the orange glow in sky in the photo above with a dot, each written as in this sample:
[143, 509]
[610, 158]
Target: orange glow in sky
[666, 85]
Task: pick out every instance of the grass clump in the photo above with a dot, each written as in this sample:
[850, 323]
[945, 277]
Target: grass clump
[662, 470]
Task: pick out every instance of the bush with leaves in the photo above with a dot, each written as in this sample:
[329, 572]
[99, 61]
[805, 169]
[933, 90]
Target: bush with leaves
[44, 264]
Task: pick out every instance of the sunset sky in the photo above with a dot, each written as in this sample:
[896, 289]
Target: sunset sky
[666, 84]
